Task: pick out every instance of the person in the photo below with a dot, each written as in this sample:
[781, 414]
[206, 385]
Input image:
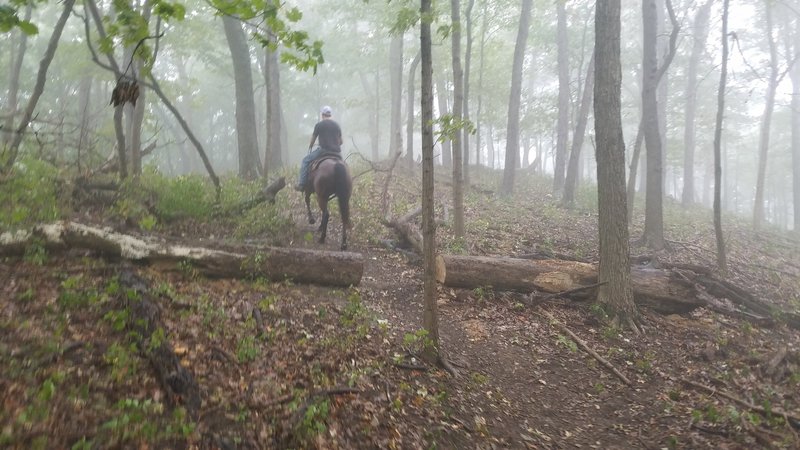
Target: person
[330, 141]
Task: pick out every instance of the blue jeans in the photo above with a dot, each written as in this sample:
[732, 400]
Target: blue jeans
[314, 154]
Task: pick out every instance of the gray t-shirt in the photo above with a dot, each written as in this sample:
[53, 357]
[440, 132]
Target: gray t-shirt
[329, 134]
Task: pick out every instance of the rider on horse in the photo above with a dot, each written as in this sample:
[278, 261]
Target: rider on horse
[330, 142]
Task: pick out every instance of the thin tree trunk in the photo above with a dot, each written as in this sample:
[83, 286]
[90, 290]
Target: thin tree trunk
[563, 97]
[722, 263]
[478, 124]
[441, 95]
[38, 88]
[412, 71]
[185, 126]
[458, 109]
[571, 182]
[766, 123]
[13, 79]
[396, 79]
[467, 65]
[700, 35]
[430, 310]
[795, 76]
[273, 153]
[512, 135]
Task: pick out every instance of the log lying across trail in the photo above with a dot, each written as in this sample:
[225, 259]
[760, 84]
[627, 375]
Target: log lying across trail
[275, 263]
[665, 291]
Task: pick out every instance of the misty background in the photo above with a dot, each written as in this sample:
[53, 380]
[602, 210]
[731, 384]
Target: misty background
[73, 126]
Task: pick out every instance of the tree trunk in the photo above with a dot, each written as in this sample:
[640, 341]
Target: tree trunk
[766, 122]
[563, 97]
[273, 153]
[412, 71]
[38, 88]
[722, 263]
[795, 112]
[699, 36]
[373, 116]
[15, 67]
[458, 109]
[571, 182]
[441, 95]
[467, 67]
[654, 215]
[614, 267]
[478, 127]
[396, 81]
[430, 313]
[512, 135]
[274, 263]
[246, 139]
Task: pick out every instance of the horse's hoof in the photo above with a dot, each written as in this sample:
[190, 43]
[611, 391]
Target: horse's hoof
[312, 221]
[344, 247]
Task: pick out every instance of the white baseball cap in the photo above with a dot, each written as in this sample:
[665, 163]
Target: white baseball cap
[326, 111]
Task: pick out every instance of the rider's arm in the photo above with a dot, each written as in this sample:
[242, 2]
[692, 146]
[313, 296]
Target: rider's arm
[313, 138]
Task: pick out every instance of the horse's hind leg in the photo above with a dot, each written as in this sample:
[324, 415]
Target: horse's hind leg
[344, 237]
[323, 227]
[308, 208]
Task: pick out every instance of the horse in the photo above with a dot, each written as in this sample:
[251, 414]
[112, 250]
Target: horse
[329, 177]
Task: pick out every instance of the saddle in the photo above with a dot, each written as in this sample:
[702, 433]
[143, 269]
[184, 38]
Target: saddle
[322, 157]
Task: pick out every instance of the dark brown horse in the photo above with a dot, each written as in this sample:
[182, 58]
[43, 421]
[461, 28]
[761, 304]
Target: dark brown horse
[330, 178]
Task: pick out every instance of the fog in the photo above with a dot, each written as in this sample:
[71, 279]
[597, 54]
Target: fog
[73, 127]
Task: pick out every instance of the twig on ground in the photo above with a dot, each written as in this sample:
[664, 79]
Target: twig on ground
[410, 367]
[792, 419]
[586, 348]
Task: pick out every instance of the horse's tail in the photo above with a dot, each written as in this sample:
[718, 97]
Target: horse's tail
[343, 188]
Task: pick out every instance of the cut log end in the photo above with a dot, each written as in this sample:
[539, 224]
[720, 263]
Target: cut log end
[441, 269]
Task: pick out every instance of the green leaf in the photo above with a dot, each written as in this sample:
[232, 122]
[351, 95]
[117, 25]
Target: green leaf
[28, 28]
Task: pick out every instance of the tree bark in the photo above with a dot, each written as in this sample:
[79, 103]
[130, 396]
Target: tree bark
[562, 126]
[722, 262]
[458, 109]
[571, 182]
[38, 88]
[430, 312]
[15, 66]
[396, 82]
[273, 154]
[412, 72]
[614, 268]
[467, 68]
[246, 139]
[441, 96]
[662, 290]
[699, 36]
[512, 134]
[766, 122]
[654, 215]
[274, 263]
[795, 112]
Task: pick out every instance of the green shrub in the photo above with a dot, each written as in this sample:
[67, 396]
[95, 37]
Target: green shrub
[29, 195]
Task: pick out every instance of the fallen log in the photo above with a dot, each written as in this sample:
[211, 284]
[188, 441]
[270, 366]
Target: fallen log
[265, 195]
[274, 263]
[661, 290]
[176, 381]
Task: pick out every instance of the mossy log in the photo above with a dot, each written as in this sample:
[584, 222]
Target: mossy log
[274, 263]
[665, 291]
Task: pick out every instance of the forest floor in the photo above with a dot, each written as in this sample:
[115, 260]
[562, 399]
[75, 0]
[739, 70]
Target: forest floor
[335, 368]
